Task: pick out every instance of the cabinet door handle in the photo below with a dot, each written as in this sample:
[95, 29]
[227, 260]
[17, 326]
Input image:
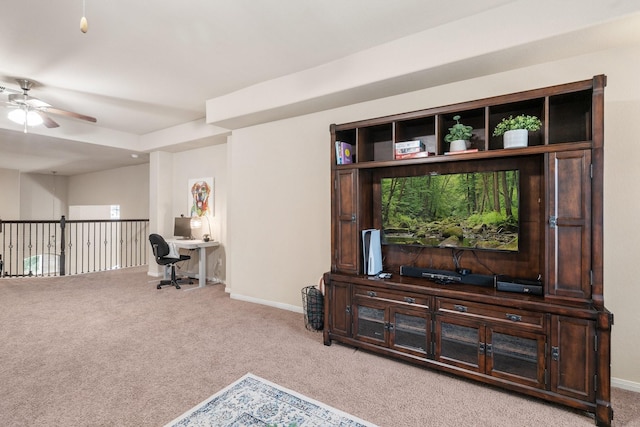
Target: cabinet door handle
[514, 317]
[481, 347]
[460, 308]
[409, 300]
[555, 353]
[372, 294]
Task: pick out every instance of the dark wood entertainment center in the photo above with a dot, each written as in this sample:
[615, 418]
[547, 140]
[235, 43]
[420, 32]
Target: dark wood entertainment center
[554, 346]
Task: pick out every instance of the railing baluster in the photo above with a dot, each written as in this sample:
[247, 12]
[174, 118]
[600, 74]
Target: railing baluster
[75, 246]
[62, 246]
[112, 240]
[119, 245]
[93, 225]
[126, 247]
[83, 251]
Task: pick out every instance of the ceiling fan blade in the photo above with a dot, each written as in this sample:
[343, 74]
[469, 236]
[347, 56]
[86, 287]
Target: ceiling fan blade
[69, 113]
[36, 103]
[47, 121]
[4, 89]
[29, 103]
[19, 99]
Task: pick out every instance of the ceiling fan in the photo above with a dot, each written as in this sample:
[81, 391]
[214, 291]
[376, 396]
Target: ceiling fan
[31, 111]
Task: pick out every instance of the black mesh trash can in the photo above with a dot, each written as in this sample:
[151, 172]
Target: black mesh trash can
[313, 308]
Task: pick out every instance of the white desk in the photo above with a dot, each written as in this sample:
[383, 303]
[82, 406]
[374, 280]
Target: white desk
[202, 262]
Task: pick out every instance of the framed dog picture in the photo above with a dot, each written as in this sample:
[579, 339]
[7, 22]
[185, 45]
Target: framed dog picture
[201, 197]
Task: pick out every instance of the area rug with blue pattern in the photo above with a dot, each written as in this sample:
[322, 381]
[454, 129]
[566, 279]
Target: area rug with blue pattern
[253, 401]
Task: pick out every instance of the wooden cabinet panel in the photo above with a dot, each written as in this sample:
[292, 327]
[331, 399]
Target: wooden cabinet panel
[569, 224]
[346, 233]
[492, 313]
[339, 302]
[381, 294]
[572, 357]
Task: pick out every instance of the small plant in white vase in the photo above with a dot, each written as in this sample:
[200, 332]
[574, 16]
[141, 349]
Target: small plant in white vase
[516, 130]
[459, 135]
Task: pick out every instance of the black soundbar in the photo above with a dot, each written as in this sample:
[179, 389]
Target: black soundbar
[520, 286]
[446, 276]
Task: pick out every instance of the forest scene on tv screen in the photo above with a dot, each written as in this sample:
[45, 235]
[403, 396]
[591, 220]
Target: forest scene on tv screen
[476, 210]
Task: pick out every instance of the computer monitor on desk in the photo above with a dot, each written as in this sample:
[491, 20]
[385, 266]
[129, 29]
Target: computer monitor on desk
[182, 228]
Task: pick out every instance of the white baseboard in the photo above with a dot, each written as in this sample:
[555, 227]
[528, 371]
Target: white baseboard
[625, 384]
[216, 280]
[266, 302]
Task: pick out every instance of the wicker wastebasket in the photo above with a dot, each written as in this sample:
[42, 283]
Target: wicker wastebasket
[313, 308]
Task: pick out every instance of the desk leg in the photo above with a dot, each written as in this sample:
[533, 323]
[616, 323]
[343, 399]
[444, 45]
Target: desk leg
[202, 267]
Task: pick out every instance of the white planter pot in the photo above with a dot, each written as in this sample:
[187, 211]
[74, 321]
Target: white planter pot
[458, 145]
[516, 138]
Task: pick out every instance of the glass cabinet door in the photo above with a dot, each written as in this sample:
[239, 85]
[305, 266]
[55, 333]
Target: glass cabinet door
[410, 331]
[516, 355]
[404, 329]
[370, 322]
[460, 342]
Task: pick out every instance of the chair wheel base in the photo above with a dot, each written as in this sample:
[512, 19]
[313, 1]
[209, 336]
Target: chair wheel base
[175, 283]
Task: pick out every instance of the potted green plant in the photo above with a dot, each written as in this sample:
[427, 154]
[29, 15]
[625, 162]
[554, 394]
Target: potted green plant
[516, 130]
[459, 135]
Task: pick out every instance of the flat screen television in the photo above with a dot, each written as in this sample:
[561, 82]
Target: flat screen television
[182, 227]
[475, 210]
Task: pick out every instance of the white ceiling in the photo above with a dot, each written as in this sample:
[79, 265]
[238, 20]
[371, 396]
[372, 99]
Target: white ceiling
[144, 67]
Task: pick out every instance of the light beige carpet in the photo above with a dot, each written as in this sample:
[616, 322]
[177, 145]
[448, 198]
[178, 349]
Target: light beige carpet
[108, 349]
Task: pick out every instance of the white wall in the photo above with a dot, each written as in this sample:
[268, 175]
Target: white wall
[89, 212]
[29, 196]
[170, 197]
[127, 186]
[203, 163]
[279, 193]
[43, 196]
[10, 193]
[279, 211]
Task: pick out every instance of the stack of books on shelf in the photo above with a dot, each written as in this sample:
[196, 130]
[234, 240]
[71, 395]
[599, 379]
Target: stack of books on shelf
[410, 150]
[344, 155]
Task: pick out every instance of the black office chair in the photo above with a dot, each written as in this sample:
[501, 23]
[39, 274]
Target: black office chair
[161, 251]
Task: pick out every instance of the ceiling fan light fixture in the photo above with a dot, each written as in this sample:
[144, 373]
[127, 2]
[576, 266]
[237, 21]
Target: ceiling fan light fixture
[84, 25]
[21, 116]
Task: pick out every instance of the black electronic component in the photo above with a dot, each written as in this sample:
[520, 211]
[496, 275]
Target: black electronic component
[446, 276]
